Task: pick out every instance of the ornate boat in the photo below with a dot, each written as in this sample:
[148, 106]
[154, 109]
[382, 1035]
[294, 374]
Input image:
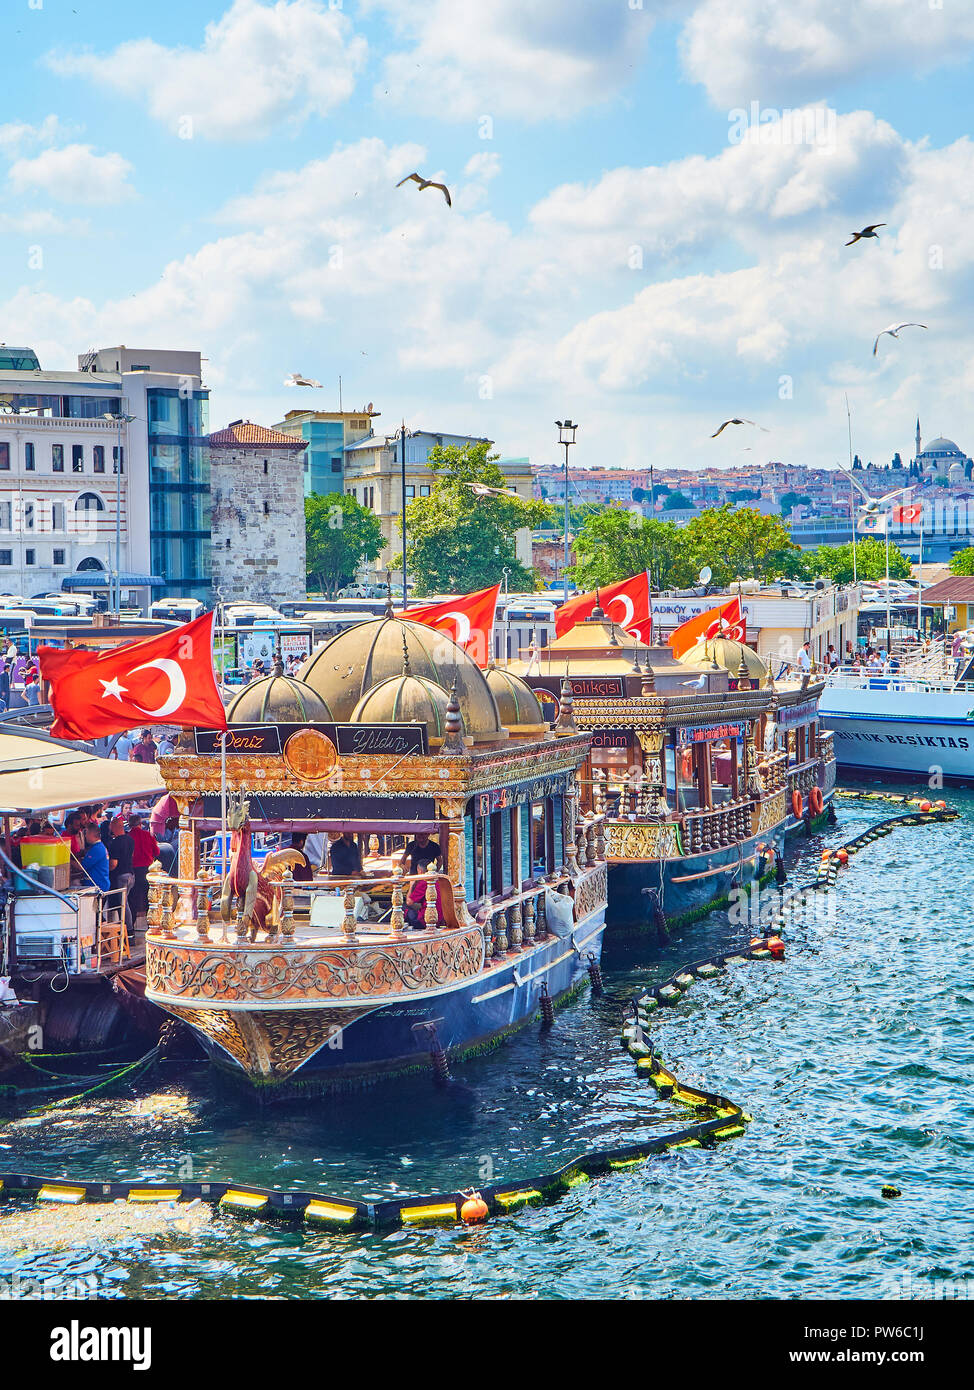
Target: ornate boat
[391, 732]
[692, 807]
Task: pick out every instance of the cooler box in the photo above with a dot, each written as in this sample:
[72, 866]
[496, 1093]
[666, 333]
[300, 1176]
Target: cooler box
[44, 849]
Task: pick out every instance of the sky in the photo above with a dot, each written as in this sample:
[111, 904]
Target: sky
[650, 205]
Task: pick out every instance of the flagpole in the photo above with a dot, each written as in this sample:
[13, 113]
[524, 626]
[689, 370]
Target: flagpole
[887, 586]
[852, 499]
[920, 571]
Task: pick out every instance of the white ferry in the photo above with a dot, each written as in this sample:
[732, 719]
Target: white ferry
[908, 724]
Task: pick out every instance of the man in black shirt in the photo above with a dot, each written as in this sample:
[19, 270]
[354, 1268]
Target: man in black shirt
[420, 853]
[121, 847]
[346, 857]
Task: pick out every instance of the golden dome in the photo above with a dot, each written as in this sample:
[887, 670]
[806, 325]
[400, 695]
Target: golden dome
[518, 706]
[405, 699]
[348, 666]
[278, 700]
[728, 654]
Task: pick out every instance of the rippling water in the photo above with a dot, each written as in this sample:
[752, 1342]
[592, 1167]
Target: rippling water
[854, 1057]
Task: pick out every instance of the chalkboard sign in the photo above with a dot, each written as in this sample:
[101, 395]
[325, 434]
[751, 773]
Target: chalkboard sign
[241, 739]
[398, 740]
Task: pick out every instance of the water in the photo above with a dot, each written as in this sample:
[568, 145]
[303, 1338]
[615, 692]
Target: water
[854, 1057]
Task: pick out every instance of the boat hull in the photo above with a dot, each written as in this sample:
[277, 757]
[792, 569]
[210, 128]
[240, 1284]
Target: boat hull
[391, 1037]
[886, 730]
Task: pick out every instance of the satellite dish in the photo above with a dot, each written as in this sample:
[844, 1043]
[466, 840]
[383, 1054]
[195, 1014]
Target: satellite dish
[706, 574]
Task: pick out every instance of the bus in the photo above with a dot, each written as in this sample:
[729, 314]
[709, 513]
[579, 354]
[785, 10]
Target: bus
[177, 610]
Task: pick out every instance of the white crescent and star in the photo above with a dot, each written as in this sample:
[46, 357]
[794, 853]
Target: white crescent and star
[112, 688]
[463, 627]
[627, 607]
[177, 686]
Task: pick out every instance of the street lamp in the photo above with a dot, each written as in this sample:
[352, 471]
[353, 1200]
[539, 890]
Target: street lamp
[566, 436]
[507, 618]
[119, 420]
[403, 432]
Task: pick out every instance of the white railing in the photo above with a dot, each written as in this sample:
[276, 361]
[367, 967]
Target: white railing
[902, 684]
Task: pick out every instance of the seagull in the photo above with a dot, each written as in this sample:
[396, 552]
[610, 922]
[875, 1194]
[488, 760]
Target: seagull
[894, 332]
[482, 490]
[866, 231]
[297, 379]
[427, 183]
[699, 684]
[737, 421]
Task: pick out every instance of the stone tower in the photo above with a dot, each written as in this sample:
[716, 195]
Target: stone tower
[257, 514]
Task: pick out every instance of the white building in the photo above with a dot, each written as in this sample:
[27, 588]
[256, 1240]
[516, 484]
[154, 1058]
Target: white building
[68, 518]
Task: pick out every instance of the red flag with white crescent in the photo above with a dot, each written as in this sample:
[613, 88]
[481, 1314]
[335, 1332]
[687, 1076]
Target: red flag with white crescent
[162, 680]
[468, 620]
[626, 604]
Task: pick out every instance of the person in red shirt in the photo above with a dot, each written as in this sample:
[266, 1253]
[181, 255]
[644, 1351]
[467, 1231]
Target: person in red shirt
[145, 852]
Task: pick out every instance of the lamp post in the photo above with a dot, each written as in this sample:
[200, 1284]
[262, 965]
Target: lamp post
[119, 420]
[402, 481]
[507, 618]
[566, 437]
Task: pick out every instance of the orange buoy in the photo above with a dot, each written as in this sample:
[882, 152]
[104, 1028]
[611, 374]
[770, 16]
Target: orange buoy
[776, 946]
[816, 800]
[925, 806]
[843, 856]
[940, 805]
[473, 1210]
[796, 804]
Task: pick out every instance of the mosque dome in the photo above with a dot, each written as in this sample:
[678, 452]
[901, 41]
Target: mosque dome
[350, 665]
[728, 654]
[942, 446]
[405, 699]
[278, 700]
[519, 708]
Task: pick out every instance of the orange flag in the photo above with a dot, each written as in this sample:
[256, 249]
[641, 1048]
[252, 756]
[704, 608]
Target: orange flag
[725, 621]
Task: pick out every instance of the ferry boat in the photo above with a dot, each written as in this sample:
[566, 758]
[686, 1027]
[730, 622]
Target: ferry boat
[902, 725]
[700, 766]
[391, 732]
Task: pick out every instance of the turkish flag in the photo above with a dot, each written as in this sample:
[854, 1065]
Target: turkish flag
[625, 603]
[908, 515]
[725, 621]
[162, 680]
[468, 620]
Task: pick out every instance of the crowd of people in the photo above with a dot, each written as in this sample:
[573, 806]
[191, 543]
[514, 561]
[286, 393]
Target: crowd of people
[110, 847]
[142, 747]
[19, 676]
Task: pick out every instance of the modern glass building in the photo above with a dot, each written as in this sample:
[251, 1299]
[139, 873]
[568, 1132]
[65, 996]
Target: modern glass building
[179, 490]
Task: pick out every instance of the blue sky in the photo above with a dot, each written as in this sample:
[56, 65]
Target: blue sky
[222, 176]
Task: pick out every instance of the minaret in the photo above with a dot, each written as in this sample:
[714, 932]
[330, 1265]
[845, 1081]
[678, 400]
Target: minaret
[918, 437]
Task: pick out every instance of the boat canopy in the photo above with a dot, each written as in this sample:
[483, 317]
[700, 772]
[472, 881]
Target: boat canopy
[40, 774]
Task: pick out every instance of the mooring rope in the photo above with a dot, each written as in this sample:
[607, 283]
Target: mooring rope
[720, 1118]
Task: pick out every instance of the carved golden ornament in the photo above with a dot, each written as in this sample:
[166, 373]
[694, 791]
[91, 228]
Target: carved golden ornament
[651, 742]
[628, 841]
[270, 1044]
[310, 755]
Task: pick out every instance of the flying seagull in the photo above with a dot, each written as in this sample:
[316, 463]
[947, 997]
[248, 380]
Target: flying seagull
[482, 490]
[296, 379]
[737, 421]
[427, 183]
[866, 232]
[894, 332]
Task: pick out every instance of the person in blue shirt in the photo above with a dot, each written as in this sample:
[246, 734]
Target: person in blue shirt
[94, 860]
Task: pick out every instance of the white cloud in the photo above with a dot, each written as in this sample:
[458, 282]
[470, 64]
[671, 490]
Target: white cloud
[17, 136]
[258, 65]
[74, 174]
[784, 54]
[547, 59]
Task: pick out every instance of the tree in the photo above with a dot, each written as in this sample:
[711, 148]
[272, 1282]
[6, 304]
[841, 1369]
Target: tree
[835, 561]
[459, 541]
[744, 494]
[962, 562]
[676, 500]
[740, 544]
[340, 535]
[638, 494]
[612, 545]
[897, 462]
[790, 500]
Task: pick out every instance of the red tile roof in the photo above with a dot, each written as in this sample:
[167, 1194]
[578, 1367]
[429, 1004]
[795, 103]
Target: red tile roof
[243, 432]
[959, 588]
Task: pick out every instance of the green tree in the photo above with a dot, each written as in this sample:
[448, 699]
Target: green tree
[340, 535]
[740, 544]
[835, 561]
[790, 500]
[457, 540]
[638, 494]
[612, 545]
[963, 561]
[744, 494]
[674, 500]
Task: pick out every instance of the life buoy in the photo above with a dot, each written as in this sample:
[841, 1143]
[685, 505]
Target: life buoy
[817, 800]
[796, 804]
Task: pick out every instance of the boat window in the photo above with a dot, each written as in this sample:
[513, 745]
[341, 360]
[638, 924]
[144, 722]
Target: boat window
[525, 837]
[540, 820]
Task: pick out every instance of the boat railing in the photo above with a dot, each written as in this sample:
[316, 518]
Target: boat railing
[899, 684]
[773, 768]
[714, 828]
